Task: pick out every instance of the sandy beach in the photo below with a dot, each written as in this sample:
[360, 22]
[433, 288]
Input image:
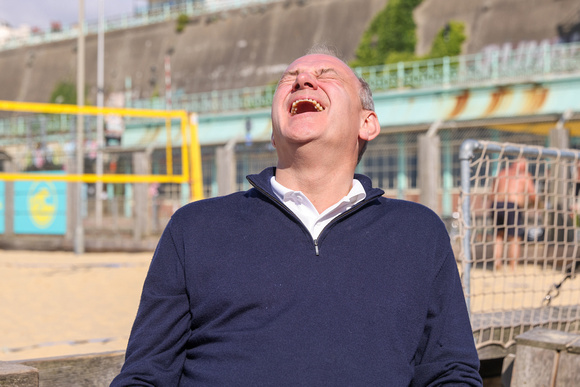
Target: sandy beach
[59, 303]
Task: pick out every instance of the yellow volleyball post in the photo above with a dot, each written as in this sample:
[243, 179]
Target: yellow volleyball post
[196, 170]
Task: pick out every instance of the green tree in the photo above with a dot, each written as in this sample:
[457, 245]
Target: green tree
[64, 93]
[448, 41]
[391, 31]
[182, 21]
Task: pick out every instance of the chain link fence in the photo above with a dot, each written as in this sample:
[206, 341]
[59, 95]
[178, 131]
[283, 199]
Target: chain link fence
[520, 232]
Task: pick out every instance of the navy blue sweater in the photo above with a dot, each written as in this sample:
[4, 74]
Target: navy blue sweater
[239, 294]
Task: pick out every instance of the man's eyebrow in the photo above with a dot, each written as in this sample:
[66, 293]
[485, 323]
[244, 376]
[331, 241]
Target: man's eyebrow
[290, 73]
[317, 72]
[327, 70]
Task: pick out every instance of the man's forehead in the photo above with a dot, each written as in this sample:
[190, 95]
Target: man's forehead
[318, 62]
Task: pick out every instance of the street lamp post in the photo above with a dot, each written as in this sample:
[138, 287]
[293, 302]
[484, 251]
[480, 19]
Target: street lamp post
[79, 244]
[100, 123]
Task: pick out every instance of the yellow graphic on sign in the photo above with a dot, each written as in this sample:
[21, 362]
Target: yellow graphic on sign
[42, 204]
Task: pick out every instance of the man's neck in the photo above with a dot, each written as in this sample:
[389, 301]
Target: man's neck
[322, 185]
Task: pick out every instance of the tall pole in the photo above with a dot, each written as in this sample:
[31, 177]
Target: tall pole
[168, 146]
[79, 243]
[167, 67]
[100, 103]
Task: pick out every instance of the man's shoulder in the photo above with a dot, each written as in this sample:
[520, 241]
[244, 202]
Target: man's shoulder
[219, 204]
[407, 206]
[409, 212]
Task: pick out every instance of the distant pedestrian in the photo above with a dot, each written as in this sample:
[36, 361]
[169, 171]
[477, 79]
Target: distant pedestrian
[514, 192]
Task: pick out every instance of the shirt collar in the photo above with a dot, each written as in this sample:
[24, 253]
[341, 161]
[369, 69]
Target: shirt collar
[355, 195]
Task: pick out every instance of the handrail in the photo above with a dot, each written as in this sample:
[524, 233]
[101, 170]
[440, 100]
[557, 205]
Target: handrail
[533, 63]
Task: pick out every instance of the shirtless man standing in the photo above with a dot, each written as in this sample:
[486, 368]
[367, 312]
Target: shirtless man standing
[514, 191]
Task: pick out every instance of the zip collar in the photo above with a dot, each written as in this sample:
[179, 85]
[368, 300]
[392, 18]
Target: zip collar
[261, 182]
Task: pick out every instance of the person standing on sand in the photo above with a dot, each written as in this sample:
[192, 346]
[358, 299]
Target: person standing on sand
[513, 192]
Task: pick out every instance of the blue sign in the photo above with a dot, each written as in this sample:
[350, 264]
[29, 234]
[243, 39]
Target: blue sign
[40, 207]
[2, 207]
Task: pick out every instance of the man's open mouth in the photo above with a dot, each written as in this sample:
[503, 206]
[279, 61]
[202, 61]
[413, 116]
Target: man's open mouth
[305, 106]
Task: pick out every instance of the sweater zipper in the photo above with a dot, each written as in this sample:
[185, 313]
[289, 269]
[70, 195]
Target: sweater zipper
[316, 248]
[339, 217]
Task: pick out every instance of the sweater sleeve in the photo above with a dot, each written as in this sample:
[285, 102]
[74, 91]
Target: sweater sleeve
[446, 354]
[156, 349]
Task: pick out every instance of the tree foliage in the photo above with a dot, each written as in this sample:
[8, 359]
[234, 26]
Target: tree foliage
[391, 37]
[65, 92]
[391, 31]
[448, 41]
[182, 21]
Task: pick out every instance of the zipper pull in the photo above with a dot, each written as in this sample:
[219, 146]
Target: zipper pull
[316, 247]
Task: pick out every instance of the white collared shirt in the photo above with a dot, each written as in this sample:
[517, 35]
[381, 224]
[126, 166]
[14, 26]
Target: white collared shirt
[301, 206]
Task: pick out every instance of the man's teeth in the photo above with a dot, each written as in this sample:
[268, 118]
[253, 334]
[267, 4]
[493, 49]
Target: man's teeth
[294, 109]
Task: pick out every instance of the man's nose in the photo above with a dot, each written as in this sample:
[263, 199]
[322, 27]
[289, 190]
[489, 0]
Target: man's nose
[304, 81]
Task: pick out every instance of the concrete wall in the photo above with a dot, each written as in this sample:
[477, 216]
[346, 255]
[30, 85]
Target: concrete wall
[234, 49]
[251, 46]
[494, 21]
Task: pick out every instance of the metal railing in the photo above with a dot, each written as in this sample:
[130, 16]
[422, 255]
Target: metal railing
[526, 61]
[142, 17]
[520, 254]
[532, 63]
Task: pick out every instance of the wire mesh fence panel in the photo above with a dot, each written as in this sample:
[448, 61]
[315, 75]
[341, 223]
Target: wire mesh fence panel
[520, 229]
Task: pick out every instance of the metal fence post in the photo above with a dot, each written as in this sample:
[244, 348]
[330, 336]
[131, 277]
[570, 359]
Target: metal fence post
[141, 165]
[226, 168]
[465, 157]
[559, 138]
[9, 200]
[429, 171]
[446, 71]
[400, 75]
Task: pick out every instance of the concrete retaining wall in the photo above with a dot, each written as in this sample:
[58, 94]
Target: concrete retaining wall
[251, 46]
[492, 22]
[234, 49]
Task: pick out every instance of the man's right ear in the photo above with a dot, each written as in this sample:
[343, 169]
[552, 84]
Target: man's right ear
[370, 127]
[272, 140]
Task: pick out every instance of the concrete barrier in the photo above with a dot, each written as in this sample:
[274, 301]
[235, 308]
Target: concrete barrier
[94, 370]
[17, 375]
[544, 357]
[547, 358]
